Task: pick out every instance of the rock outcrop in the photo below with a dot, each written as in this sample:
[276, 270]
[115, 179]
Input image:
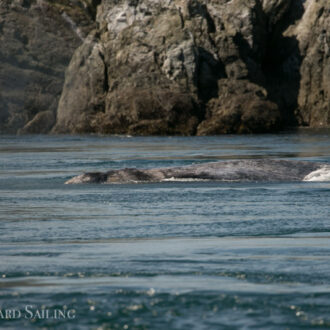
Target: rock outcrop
[162, 67]
[313, 35]
[200, 67]
[38, 38]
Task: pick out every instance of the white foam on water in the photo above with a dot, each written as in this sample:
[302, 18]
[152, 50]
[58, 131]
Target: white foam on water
[322, 174]
[173, 179]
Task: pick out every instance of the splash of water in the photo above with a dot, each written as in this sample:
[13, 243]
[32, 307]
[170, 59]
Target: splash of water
[321, 174]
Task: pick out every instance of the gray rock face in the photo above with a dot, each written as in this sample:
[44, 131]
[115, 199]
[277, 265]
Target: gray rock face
[164, 67]
[313, 35]
[200, 67]
[228, 171]
[38, 38]
[298, 62]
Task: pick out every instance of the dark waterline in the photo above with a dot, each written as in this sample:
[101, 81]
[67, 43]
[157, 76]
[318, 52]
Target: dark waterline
[174, 255]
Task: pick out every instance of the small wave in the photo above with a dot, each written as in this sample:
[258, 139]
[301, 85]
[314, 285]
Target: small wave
[322, 174]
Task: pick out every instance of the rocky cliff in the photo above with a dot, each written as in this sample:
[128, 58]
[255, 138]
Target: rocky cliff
[164, 67]
[37, 40]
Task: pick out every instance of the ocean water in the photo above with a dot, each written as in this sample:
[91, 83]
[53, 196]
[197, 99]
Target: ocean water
[170, 255]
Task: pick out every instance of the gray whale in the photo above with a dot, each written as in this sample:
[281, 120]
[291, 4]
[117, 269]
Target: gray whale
[226, 171]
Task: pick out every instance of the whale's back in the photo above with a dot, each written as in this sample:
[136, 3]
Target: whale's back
[228, 171]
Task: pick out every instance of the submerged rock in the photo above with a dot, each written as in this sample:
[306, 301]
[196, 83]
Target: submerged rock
[227, 171]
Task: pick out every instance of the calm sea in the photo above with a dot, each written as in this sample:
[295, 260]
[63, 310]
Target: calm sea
[171, 255]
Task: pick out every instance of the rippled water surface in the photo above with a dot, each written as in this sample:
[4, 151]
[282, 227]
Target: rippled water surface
[171, 255]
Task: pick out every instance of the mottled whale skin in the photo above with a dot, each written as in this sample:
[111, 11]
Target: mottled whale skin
[227, 171]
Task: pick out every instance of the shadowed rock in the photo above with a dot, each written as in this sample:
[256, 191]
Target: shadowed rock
[37, 41]
[238, 170]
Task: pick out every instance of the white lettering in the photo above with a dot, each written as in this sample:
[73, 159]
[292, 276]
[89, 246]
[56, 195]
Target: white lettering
[17, 314]
[71, 314]
[8, 314]
[58, 314]
[29, 312]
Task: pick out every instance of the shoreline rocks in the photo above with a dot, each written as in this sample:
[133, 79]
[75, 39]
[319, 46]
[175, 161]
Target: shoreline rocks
[192, 67]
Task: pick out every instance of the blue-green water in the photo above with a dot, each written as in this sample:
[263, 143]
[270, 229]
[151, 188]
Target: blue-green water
[171, 255]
